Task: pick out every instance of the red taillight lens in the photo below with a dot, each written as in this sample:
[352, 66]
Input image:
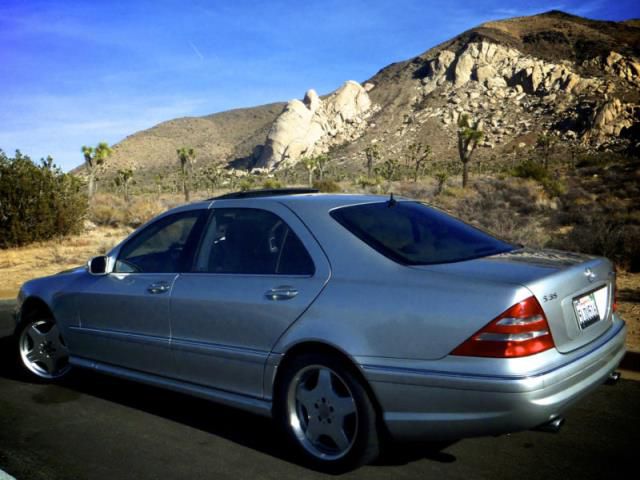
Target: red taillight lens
[520, 331]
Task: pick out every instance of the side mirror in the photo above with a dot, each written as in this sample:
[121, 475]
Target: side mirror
[97, 265]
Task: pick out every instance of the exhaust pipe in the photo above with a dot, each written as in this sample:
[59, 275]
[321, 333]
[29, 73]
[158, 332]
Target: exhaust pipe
[613, 378]
[552, 426]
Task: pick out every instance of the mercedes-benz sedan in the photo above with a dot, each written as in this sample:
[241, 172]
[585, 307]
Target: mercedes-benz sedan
[348, 318]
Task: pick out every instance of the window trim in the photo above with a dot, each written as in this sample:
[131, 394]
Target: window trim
[194, 235]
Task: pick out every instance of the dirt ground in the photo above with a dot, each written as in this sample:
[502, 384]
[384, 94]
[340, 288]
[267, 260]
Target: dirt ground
[629, 307]
[18, 265]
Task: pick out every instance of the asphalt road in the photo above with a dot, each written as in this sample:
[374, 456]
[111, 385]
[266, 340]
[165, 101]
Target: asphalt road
[97, 427]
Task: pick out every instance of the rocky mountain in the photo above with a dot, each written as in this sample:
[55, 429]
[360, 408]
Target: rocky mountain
[218, 138]
[566, 76]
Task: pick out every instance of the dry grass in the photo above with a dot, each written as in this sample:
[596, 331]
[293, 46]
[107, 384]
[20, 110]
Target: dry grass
[111, 210]
[629, 307]
[17, 265]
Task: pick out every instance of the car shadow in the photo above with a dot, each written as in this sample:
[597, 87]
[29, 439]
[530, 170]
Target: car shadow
[243, 428]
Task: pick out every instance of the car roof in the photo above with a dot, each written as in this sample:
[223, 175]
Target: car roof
[305, 199]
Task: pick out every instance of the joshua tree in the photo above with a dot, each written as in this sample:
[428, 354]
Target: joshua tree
[321, 164]
[441, 178]
[417, 158]
[122, 179]
[372, 153]
[310, 165]
[186, 156]
[388, 170]
[93, 158]
[158, 179]
[213, 174]
[468, 137]
[546, 144]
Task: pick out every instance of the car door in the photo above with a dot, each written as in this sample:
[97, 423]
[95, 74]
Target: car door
[256, 272]
[124, 315]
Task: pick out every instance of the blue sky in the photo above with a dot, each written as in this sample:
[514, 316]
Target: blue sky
[80, 72]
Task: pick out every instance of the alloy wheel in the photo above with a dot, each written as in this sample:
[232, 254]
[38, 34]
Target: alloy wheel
[322, 412]
[43, 350]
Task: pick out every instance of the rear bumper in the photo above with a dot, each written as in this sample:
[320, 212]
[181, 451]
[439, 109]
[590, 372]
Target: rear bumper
[421, 404]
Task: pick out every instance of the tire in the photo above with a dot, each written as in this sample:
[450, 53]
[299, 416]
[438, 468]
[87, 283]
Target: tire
[326, 413]
[41, 352]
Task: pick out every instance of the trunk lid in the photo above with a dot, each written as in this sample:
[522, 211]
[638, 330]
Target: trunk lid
[567, 286]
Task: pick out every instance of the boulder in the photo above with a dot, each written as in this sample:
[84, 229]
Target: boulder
[464, 66]
[485, 73]
[312, 125]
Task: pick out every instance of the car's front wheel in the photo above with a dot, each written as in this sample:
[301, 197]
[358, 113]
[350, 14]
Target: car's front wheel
[42, 352]
[327, 413]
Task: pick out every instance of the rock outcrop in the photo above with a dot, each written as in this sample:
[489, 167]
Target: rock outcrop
[609, 120]
[313, 125]
[514, 94]
[499, 66]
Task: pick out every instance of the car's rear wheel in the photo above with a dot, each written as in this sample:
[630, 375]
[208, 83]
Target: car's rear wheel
[42, 352]
[327, 413]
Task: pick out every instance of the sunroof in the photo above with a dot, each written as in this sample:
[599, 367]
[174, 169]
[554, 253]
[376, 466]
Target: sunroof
[265, 193]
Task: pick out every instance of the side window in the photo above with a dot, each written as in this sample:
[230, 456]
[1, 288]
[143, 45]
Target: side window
[251, 241]
[165, 246]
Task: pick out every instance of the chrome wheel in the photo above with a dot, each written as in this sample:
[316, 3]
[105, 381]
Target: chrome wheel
[42, 349]
[322, 412]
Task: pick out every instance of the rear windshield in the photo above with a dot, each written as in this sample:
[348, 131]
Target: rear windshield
[412, 233]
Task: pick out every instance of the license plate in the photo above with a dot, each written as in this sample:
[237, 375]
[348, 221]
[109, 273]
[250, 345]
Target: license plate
[586, 310]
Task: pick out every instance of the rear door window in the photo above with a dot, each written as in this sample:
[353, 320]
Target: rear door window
[412, 233]
[251, 241]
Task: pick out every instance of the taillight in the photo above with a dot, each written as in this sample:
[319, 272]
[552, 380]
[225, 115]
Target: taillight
[520, 331]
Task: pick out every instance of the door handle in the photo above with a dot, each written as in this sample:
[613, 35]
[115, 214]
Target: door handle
[159, 287]
[283, 292]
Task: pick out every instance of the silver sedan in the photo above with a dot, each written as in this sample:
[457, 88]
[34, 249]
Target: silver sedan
[348, 318]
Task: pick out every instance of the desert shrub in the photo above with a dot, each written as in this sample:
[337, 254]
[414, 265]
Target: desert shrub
[601, 233]
[271, 183]
[247, 183]
[111, 210]
[367, 182]
[599, 159]
[419, 190]
[327, 186]
[513, 209]
[536, 171]
[37, 202]
[141, 209]
[531, 169]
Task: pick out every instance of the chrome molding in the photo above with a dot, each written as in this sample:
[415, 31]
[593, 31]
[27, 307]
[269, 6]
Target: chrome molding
[251, 404]
[126, 336]
[226, 351]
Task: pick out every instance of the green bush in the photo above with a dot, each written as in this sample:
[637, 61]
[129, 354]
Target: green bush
[327, 186]
[271, 183]
[536, 171]
[600, 234]
[531, 169]
[37, 202]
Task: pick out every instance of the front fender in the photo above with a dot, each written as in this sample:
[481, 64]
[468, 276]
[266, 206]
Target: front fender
[54, 292]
